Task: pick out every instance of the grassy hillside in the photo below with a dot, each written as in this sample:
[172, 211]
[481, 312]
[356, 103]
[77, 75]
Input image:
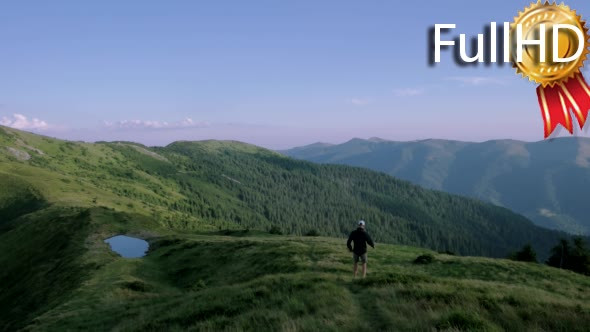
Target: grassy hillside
[17, 197]
[205, 208]
[219, 185]
[40, 262]
[253, 281]
[545, 181]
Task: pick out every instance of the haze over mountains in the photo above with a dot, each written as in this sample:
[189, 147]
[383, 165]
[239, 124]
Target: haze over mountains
[547, 181]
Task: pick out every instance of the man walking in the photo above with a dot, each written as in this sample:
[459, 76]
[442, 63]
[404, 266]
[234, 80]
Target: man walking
[360, 237]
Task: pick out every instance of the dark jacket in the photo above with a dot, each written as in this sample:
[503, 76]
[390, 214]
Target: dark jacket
[360, 238]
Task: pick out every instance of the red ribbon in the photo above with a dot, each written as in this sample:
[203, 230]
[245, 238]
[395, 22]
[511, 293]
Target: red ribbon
[557, 101]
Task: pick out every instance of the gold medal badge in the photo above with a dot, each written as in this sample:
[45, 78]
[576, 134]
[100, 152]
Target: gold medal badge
[555, 64]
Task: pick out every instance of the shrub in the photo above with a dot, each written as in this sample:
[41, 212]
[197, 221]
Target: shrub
[424, 259]
[136, 286]
[574, 257]
[200, 284]
[312, 232]
[526, 254]
[275, 230]
[235, 232]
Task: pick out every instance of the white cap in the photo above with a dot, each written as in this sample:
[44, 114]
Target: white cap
[361, 223]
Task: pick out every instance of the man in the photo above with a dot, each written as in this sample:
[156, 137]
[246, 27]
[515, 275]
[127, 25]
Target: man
[360, 238]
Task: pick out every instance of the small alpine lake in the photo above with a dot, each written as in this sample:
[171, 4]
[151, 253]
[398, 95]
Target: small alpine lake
[127, 246]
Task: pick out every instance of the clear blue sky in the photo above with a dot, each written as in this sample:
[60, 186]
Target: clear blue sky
[273, 73]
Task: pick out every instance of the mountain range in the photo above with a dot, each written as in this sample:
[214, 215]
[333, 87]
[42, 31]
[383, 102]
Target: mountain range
[546, 181]
[223, 184]
[208, 210]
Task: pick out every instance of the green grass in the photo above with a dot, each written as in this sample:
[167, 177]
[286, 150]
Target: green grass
[255, 281]
[17, 197]
[90, 175]
[209, 269]
[41, 262]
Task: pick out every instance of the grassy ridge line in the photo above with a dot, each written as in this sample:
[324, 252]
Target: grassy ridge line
[41, 262]
[17, 197]
[213, 184]
[89, 175]
[252, 281]
[48, 254]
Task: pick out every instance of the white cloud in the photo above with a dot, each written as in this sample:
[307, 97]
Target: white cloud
[408, 92]
[547, 213]
[147, 124]
[19, 121]
[360, 101]
[476, 80]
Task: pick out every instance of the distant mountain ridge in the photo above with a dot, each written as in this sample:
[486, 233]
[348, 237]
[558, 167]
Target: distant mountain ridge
[228, 185]
[207, 208]
[546, 181]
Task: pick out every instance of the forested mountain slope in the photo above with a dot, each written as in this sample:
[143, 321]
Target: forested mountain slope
[545, 181]
[214, 184]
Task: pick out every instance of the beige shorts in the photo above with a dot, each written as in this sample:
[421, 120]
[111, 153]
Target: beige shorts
[362, 258]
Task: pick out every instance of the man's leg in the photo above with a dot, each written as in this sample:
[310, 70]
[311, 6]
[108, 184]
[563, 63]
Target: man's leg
[364, 269]
[356, 268]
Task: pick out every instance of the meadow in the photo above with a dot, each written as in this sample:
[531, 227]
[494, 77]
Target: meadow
[207, 209]
[251, 280]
